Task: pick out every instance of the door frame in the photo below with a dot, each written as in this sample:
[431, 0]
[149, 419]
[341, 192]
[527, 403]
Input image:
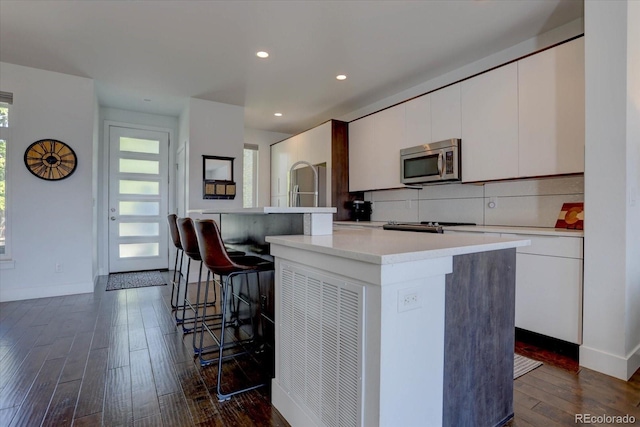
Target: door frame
[102, 215]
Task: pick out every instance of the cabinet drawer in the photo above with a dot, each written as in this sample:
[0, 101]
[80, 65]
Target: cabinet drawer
[549, 296]
[560, 246]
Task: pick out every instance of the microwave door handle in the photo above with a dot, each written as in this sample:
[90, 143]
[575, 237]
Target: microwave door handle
[441, 163]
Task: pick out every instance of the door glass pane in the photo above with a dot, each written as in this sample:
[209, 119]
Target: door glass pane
[130, 250]
[136, 145]
[139, 187]
[139, 166]
[139, 208]
[135, 229]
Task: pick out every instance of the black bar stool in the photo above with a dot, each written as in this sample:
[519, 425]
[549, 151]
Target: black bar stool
[175, 237]
[218, 262]
[189, 244]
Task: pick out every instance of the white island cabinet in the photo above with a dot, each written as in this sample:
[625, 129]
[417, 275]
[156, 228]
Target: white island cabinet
[388, 328]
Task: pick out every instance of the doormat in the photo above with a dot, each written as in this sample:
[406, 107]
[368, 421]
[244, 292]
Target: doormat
[135, 279]
[522, 365]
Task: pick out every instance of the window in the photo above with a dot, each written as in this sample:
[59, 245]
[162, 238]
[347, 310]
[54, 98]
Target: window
[250, 176]
[5, 101]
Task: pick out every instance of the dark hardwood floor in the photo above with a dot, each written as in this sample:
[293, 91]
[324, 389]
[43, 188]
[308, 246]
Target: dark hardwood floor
[117, 359]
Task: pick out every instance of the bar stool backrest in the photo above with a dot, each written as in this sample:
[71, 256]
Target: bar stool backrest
[188, 238]
[214, 254]
[173, 230]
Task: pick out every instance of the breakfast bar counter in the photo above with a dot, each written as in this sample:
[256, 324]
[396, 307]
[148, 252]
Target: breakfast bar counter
[387, 328]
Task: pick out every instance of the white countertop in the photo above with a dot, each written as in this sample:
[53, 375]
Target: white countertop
[392, 247]
[265, 210]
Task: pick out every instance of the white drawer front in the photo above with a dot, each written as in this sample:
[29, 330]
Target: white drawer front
[561, 246]
[549, 296]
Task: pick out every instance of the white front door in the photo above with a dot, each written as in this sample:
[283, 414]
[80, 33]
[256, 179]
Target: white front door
[138, 199]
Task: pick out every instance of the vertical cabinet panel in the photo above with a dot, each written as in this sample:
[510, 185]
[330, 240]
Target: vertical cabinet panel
[551, 111]
[417, 126]
[362, 154]
[446, 113]
[490, 125]
[389, 137]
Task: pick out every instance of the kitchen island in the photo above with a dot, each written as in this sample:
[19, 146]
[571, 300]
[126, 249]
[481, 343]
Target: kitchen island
[388, 328]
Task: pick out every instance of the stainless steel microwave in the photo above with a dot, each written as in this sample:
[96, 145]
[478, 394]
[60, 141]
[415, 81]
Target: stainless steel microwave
[439, 161]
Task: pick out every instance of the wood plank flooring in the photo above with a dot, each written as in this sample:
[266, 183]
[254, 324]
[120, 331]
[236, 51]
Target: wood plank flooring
[117, 359]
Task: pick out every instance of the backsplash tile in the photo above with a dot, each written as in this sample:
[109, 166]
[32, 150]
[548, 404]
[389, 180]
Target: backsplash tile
[536, 187]
[530, 202]
[527, 211]
[456, 210]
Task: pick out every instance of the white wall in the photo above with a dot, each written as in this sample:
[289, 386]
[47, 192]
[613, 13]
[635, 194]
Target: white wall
[215, 129]
[51, 221]
[263, 139]
[135, 119]
[611, 331]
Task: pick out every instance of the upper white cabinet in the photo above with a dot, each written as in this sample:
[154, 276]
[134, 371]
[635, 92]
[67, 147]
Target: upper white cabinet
[489, 105]
[446, 113]
[324, 144]
[417, 126]
[374, 150]
[282, 157]
[362, 171]
[551, 111]
[389, 137]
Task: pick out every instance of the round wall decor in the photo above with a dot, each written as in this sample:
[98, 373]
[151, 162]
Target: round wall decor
[50, 159]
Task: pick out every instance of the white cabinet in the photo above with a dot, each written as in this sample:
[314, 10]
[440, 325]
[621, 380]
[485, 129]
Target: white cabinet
[283, 155]
[388, 139]
[551, 111]
[489, 105]
[374, 150]
[313, 146]
[446, 113]
[548, 285]
[362, 172]
[417, 125]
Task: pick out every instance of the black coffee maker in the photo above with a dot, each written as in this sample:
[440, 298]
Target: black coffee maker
[360, 210]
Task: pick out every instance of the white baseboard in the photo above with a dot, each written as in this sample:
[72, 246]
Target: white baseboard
[290, 410]
[610, 364]
[45, 291]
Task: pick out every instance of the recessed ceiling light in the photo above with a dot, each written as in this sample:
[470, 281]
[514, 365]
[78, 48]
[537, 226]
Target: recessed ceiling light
[278, 114]
[341, 77]
[262, 54]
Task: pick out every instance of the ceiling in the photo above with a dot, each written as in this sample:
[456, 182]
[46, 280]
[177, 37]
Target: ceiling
[167, 51]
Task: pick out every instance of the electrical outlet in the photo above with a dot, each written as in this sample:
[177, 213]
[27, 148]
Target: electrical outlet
[409, 299]
[59, 267]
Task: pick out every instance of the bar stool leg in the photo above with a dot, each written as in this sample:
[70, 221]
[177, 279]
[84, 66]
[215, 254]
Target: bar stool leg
[174, 293]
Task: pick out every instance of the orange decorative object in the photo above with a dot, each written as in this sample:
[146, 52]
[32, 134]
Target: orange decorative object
[571, 216]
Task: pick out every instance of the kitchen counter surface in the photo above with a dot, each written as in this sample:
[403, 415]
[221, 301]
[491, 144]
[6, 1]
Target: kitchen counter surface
[545, 231]
[265, 210]
[392, 247]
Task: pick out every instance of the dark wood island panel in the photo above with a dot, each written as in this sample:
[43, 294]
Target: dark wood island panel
[479, 339]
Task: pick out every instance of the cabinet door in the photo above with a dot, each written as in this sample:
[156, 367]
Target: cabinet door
[490, 125]
[283, 155]
[362, 154]
[389, 125]
[446, 113]
[551, 111]
[549, 296]
[320, 144]
[417, 125]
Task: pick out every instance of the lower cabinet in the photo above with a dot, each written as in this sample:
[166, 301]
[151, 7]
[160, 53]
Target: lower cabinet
[549, 276]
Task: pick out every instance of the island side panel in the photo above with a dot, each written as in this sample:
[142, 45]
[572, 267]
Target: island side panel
[479, 339]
